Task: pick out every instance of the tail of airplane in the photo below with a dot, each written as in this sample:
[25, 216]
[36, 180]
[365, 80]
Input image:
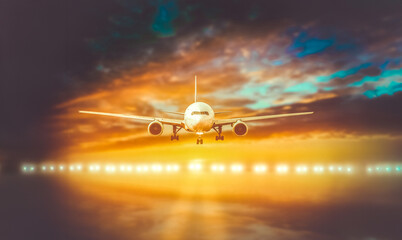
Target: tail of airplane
[195, 88]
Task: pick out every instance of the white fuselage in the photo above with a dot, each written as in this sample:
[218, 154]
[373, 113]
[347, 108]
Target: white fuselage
[199, 117]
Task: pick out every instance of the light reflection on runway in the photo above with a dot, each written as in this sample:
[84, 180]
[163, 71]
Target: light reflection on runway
[200, 205]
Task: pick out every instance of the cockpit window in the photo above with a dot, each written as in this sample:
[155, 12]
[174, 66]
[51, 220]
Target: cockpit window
[200, 113]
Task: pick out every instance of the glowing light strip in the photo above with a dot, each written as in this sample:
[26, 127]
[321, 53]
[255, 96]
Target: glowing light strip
[195, 167]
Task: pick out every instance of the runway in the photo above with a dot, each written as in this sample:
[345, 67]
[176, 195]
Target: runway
[200, 206]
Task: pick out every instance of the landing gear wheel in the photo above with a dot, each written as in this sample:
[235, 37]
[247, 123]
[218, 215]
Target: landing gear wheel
[200, 141]
[222, 138]
[217, 138]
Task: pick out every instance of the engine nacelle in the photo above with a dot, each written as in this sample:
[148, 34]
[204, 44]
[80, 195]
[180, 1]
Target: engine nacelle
[240, 128]
[155, 128]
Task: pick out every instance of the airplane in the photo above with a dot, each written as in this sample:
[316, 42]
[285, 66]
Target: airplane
[198, 118]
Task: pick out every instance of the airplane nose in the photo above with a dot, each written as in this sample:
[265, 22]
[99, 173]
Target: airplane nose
[201, 125]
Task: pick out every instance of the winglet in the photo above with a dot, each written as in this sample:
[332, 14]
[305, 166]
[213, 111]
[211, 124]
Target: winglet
[195, 88]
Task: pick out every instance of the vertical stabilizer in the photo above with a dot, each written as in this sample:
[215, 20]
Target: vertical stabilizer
[195, 88]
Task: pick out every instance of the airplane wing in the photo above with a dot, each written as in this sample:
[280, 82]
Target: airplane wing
[221, 122]
[169, 121]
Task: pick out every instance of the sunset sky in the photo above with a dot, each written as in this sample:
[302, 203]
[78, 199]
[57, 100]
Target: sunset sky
[340, 60]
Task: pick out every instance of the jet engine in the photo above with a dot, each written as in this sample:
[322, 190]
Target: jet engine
[240, 128]
[155, 128]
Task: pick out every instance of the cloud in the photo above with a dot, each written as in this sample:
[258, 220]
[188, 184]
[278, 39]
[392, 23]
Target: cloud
[131, 57]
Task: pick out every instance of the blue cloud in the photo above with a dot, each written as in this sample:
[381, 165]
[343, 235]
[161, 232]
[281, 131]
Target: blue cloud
[254, 90]
[305, 87]
[390, 89]
[272, 63]
[384, 74]
[166, 13]
[257, 91]
[305, 45]
[277, 62]
[343, 73]
[328, 88]
[260, 104]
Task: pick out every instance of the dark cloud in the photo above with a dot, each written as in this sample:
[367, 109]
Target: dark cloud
[370, 71]
[43, 45]
[348, 115]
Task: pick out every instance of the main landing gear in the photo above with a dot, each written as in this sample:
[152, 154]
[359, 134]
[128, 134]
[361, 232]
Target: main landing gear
[175, 131]
[219, 131]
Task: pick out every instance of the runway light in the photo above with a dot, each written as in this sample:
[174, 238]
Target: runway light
[282, 169]
[236, 168]
[301, 169]
[142, 168]
[176, 167]
[260, 168]
[27, 168]
[218, 168]
[169, 168]
[195, 166]
[94, 168]
[156, 168]
[318, 169]
[110, 168]
[172, 168]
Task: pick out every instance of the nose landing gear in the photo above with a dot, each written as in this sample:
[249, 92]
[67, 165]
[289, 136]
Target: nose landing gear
[200, 141]
[219, 131]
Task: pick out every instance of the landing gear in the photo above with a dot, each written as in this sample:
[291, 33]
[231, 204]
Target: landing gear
[219, 138]
[175, 131]
[219, 131]
[200, 141]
